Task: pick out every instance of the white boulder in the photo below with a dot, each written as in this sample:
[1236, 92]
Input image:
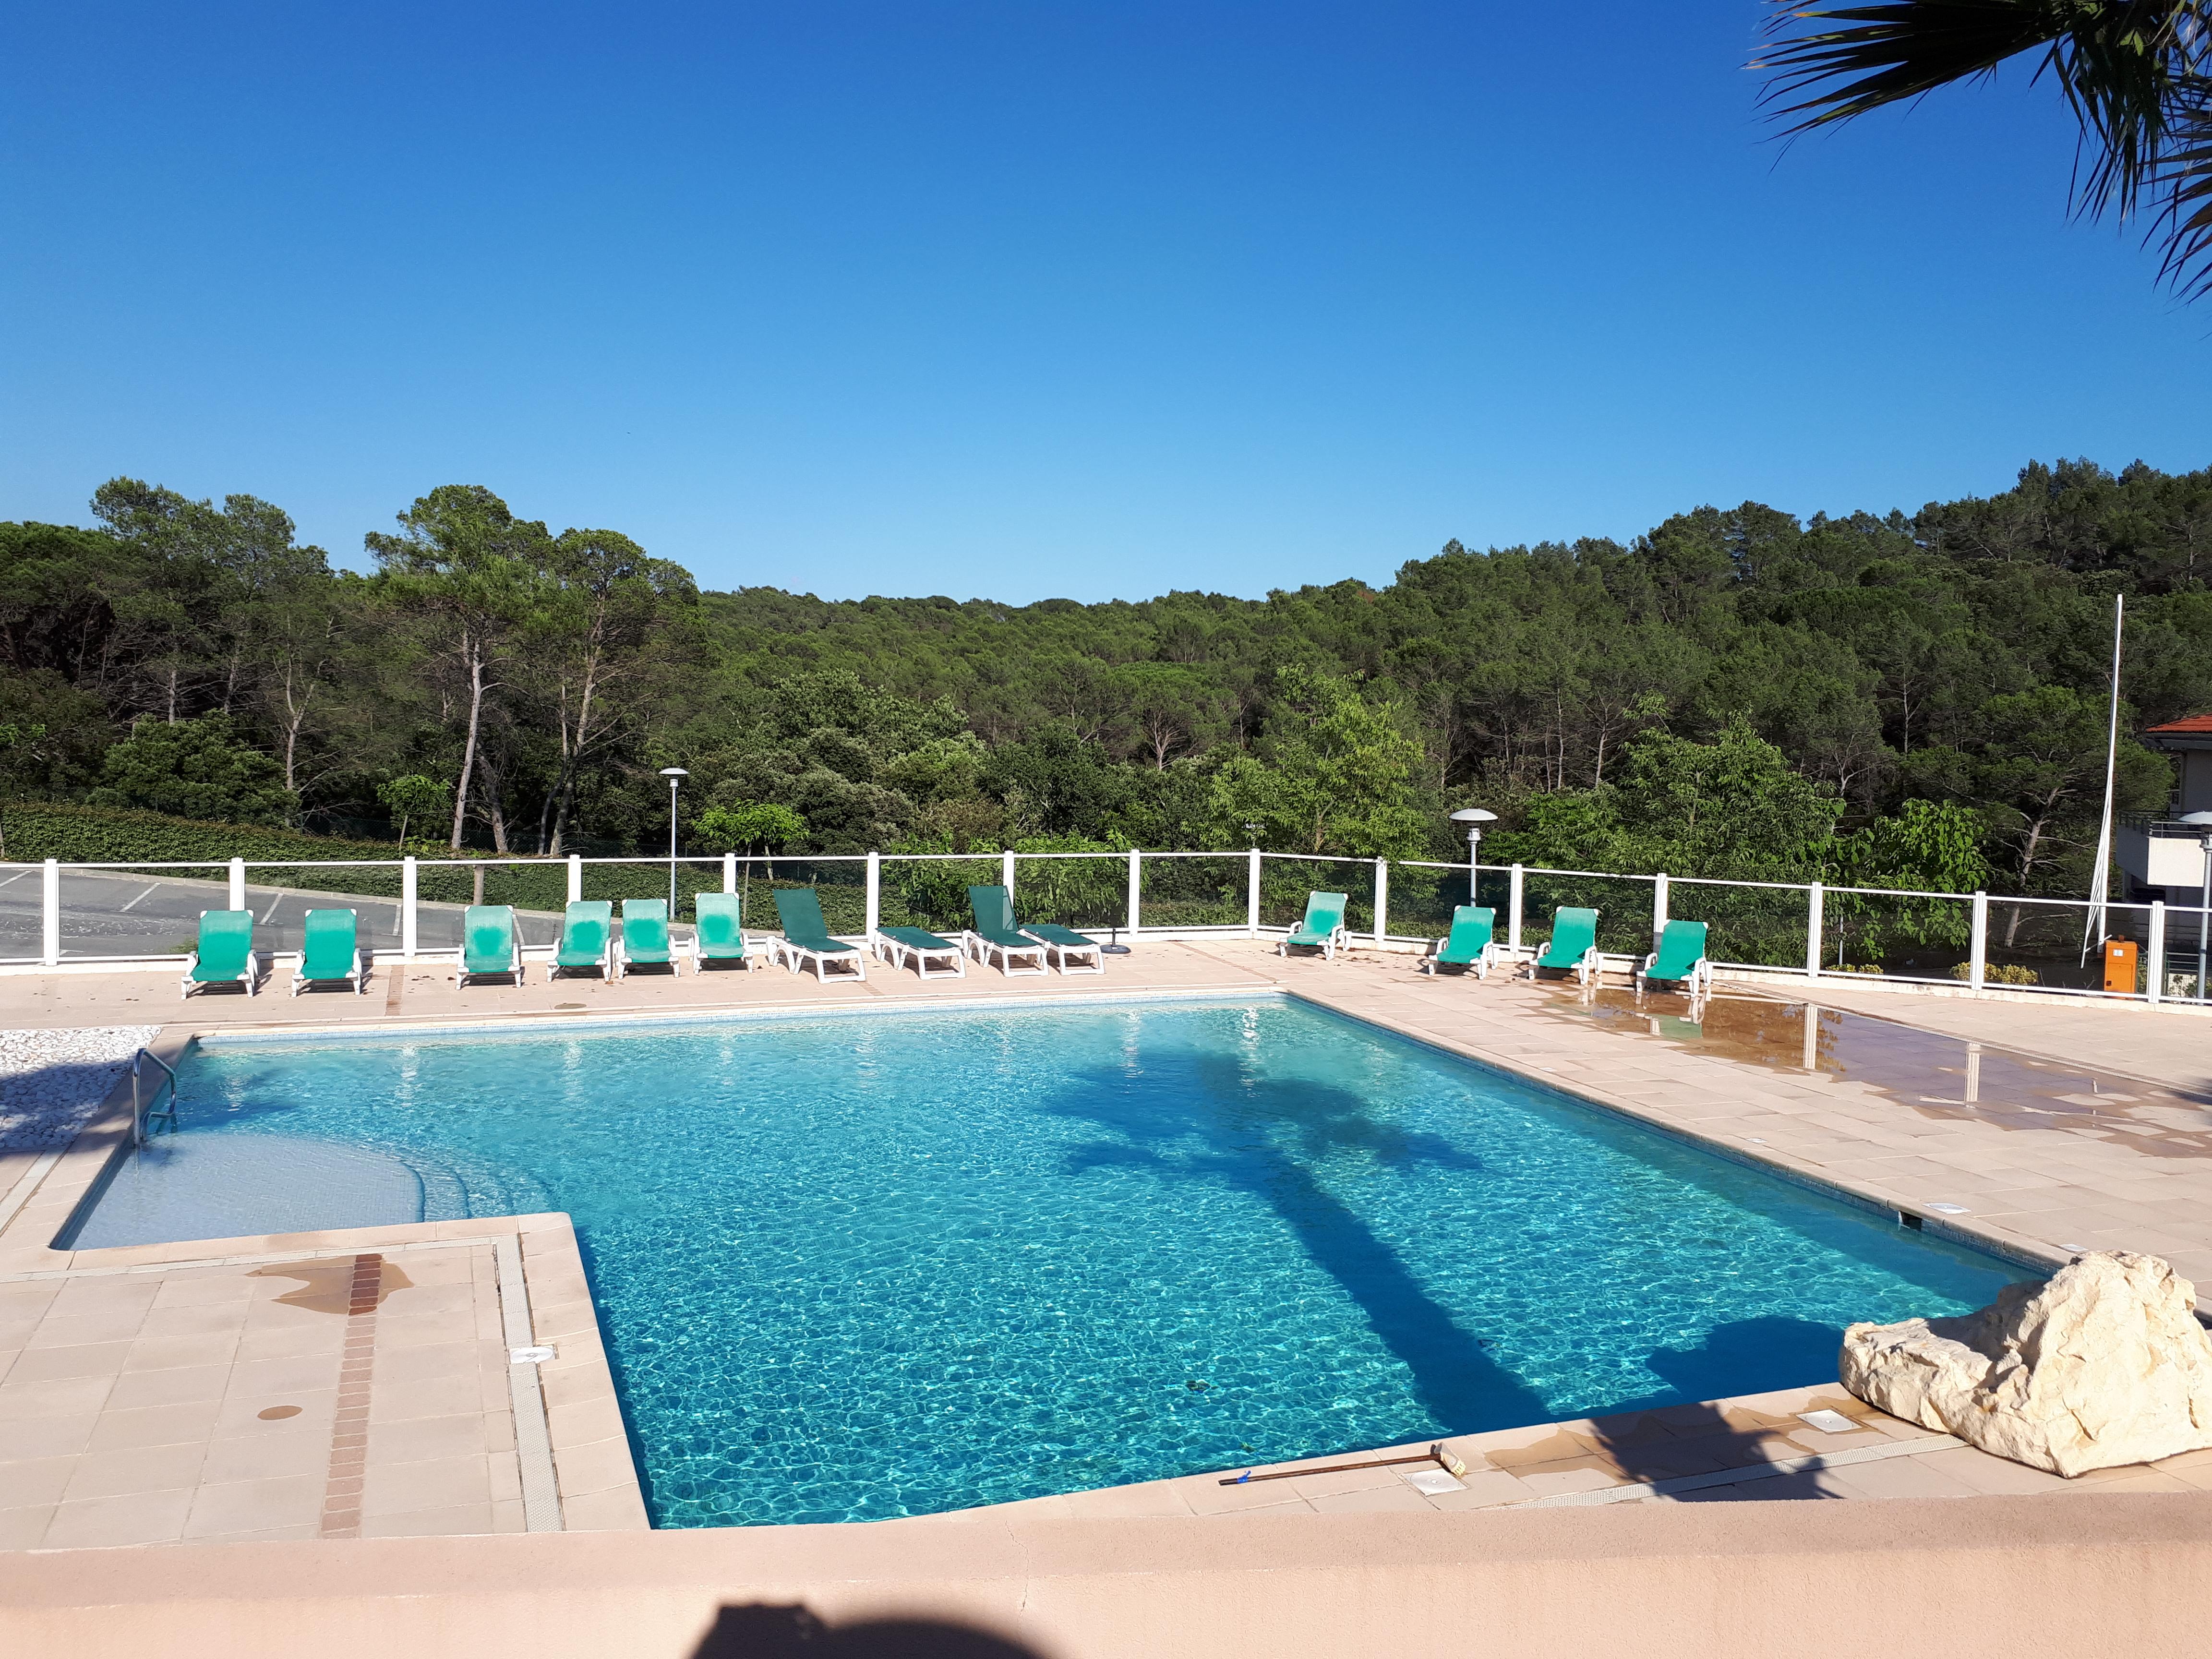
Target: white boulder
[2104, 1365]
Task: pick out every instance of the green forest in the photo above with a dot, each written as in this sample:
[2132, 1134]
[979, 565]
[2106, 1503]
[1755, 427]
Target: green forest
[1884, 698]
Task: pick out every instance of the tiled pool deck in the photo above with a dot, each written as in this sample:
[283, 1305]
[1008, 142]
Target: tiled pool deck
[366, 1382]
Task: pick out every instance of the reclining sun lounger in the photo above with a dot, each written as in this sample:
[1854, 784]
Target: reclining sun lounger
[225, 955]
[489, 949]
[1469, 944]
[1573, 947]
[1323, 928]
[330, 952]
[644, 942]
[806, 937]
[587, 939]
[720, 936]
[1679, 961]
[991, 929]
[900, 945]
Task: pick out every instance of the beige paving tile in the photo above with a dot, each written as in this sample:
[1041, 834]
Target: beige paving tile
[240, 1414]
[56, 1332]
[142, 1469]
[84, 1359]
[434, 1484]
[268, 1457]
[163, 1352]
[1899, 1476]
[453, 1521]
[53, 1400]
[597, 1466]
[24, 1529]
[439, 1396]
[104, 1523]
[277, 1378]
[257, 1506]
[176, 1386]
[1399, 1497]
[35, 1481]
[1997, 1476]
[413, 1440]
[45, 1437]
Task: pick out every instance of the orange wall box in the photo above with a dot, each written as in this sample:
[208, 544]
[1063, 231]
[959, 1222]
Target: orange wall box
[2120, 965]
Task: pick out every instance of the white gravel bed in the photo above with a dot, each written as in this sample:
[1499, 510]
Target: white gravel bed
[51, 1082]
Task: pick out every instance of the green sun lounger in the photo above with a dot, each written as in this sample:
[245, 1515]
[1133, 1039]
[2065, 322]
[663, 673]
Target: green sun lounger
[225, 953]
[806, 937]
[330, 952]
[489, 949]
[721, 935]
[1322, 930]
[1573, 947]
[644, 942]
[587, 939]
[991, 912]
[898, 946]
[1469, 944]
[1680, 961]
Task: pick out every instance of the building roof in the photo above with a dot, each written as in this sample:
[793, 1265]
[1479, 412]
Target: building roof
[2189, 725]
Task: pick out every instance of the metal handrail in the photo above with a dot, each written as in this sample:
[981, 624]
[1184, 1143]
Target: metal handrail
[141, 1113]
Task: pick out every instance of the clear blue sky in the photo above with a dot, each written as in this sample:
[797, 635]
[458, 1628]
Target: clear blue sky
[1024, 300]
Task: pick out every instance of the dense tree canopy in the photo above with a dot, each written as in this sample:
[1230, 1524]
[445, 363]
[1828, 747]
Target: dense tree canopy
[1734, 692]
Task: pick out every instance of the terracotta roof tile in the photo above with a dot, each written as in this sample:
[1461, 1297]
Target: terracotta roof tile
[2188, 723]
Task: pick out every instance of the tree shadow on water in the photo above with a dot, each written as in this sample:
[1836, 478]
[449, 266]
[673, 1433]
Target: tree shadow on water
[1217, 1122]
[766, 1631]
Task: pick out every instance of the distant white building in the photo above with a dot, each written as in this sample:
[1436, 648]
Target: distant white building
[2162, 857]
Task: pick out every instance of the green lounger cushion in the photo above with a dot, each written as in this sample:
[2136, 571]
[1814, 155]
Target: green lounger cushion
[1324, 915]
[1052, 933]
[645, 931]
[226, 946]
[918, 939]
[721, 932]
[331, 945]
[992, 909]
[488, 939]
[1681, 948]
[1573, 933]
[1470, 935]
[584, 932]
[799, 910]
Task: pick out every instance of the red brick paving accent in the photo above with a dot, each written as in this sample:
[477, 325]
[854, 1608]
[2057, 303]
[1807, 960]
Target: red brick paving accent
[349, 1432]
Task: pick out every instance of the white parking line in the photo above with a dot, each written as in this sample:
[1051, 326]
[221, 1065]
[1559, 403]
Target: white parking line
[272, 910]
[18, 876]
[154, 889]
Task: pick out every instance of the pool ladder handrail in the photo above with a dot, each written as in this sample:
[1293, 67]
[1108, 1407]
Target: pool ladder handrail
[142, 1104]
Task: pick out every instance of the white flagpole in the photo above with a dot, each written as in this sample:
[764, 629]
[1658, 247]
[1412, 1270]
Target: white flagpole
[2100, 882]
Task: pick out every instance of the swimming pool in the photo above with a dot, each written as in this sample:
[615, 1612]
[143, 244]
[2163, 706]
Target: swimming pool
[858, 1266]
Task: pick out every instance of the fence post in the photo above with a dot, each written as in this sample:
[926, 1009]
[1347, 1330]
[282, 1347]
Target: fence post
[1382, 901]
[50, 913]
[407, 907]
[238, 884]
[1978, 949]
[729, 872]
[1658, 908]
[1813, 931]
[1007, 872]
[2154, 971]
[575, 878]
[1513, 911]
[1252, 896]
[876, 890]
[1136, 888]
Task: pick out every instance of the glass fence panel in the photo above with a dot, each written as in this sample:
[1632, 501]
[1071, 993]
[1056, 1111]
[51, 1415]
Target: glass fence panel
[1194, 892]
[22, 916]
[1286, 882]
[115, 912]
[932, 892]
[2042, 943]
[648, 879]
[2188, 954]
[840, 886]
[1895, 934]
[1088, 893]
[1422, 900]
[1623, 904]
[1762, 926]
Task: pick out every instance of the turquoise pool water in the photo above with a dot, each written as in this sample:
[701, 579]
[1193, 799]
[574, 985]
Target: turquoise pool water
[861, 1266]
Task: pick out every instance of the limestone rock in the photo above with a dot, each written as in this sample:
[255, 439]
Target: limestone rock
[2104, 1365]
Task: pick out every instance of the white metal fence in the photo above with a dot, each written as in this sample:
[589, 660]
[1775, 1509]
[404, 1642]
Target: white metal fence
[90, 916]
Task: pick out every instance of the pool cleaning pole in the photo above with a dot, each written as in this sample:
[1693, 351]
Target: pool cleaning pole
[675, 774]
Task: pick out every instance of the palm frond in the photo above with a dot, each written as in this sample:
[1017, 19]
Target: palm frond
[2127, 69]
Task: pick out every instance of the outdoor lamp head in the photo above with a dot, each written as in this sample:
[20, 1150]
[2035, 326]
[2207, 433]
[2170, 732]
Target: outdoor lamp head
[1472, 816]
[673, 773]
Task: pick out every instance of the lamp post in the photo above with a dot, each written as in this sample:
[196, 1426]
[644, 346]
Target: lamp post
[675, 774]
[2203, 821]
[1473, 818]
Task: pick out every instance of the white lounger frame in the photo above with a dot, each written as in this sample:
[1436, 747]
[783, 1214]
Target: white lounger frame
[896, 952]
[796, 956]
[1053, 947]
[980, 948]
